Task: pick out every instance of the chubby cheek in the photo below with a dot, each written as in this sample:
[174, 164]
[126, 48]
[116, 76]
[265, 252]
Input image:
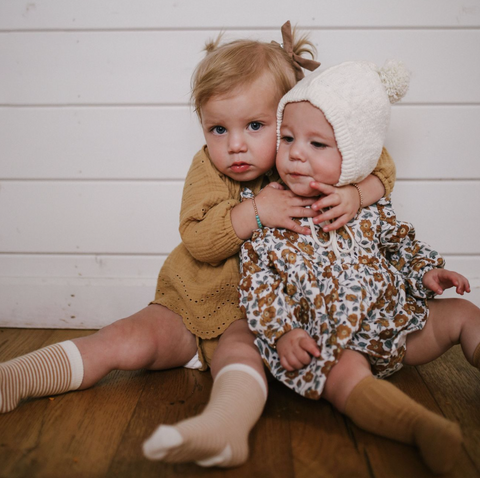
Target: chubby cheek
[281, 161]
[263, 158]
[216, 155]
[303, 190]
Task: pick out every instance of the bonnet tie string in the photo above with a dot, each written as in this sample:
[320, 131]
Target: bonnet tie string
[333, 240]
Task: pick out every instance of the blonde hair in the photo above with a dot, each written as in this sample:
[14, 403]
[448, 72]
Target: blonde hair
[239, 63]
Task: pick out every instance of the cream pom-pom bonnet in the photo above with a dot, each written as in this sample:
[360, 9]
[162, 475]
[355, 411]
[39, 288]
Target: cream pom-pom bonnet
[355, 98]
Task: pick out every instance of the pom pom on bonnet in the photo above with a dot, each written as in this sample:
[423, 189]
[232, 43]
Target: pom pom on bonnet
[355, 98]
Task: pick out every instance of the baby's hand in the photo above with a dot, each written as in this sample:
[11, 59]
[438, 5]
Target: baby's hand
[278, 206]
[437, 280]
[295, 349]
[343, 202]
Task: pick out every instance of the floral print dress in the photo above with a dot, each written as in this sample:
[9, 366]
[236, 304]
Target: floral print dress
[367, 299]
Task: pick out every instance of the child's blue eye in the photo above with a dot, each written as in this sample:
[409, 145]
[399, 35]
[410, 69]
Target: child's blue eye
[255, 125]
[219, 130]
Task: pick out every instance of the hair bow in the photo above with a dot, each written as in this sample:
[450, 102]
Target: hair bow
[298, 61]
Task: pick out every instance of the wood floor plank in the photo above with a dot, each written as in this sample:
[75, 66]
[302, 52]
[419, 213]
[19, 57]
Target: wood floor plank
[77, 434]
[61, 335]
[391, 459]
[322, 445]
[15, 342]
[455, 386]
[170, 396]
[74, 434]
[99, 432]
[178, 394]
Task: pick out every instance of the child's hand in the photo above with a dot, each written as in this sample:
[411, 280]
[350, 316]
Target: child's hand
[343, 202]
[437, 280]
[295, 349]
[278, 206]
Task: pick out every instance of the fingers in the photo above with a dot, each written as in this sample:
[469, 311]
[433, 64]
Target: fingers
[298, 352]
[293, 226]
[339, 220]
[337, 224]
[462, 285]
[275, 185]
[326, 201]
[295, 360]
[430, 283]
[325, 189]
[309, 345]
[303, 212]
[290, 364]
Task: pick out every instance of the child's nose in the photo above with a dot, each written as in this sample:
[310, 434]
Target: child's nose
[236, 143]
[296, 153]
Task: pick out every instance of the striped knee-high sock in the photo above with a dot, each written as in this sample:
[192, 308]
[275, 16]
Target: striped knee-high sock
[219, 435]
[49, 371]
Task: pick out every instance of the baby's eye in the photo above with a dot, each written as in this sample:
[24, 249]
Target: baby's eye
[255, 125]
[316, 144]
[287, 139]
[218, 130]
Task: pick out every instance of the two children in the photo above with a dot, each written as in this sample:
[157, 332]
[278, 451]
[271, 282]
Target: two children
[195, 320]
[331, 311]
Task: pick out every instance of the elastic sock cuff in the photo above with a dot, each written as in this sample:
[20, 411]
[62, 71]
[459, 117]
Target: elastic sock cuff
[76, 363]
[240, 367]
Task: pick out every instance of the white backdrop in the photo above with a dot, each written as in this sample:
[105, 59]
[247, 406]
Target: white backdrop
[96, 135]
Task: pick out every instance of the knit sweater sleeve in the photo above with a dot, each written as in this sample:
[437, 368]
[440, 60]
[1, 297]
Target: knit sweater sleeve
[385, 171]
[205, 225]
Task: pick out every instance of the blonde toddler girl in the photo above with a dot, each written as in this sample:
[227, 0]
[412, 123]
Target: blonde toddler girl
[194, 320]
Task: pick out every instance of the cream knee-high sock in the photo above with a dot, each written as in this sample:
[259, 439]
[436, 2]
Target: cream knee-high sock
[49, 371]
[219, 435]
[381, 408]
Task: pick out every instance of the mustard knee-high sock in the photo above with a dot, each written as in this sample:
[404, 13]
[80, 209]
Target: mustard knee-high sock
[219, 435]
[381, 408]
[476, 357]
[49, 371]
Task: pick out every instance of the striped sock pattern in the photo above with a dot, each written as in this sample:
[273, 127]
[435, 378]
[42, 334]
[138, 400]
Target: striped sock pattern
[48, 371]
[219, 435]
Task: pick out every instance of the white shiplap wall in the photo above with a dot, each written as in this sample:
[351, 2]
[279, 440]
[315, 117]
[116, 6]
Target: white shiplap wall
[96, 135]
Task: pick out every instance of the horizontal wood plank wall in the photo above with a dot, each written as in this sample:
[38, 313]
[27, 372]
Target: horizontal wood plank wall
[96, 135]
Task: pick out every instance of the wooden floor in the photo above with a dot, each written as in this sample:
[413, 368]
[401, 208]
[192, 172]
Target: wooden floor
[99, 432]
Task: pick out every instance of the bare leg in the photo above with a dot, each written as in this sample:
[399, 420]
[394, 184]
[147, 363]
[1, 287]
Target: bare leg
[219, 435]
[450, 322]
[381, 408]
[154, 338]
[350, 370]
[237, 345]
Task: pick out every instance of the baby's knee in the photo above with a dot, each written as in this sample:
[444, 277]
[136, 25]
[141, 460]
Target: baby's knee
[344, 376]
[117, 331]
[237, 334]
[469, 308]
[459, 310]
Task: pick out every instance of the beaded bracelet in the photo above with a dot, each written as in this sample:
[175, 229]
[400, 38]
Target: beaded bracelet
[257, 217]
[357, 187]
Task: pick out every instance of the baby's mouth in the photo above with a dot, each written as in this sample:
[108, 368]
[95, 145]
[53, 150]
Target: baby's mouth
[239, 167]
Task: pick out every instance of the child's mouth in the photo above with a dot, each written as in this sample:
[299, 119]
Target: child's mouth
[239, 167]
